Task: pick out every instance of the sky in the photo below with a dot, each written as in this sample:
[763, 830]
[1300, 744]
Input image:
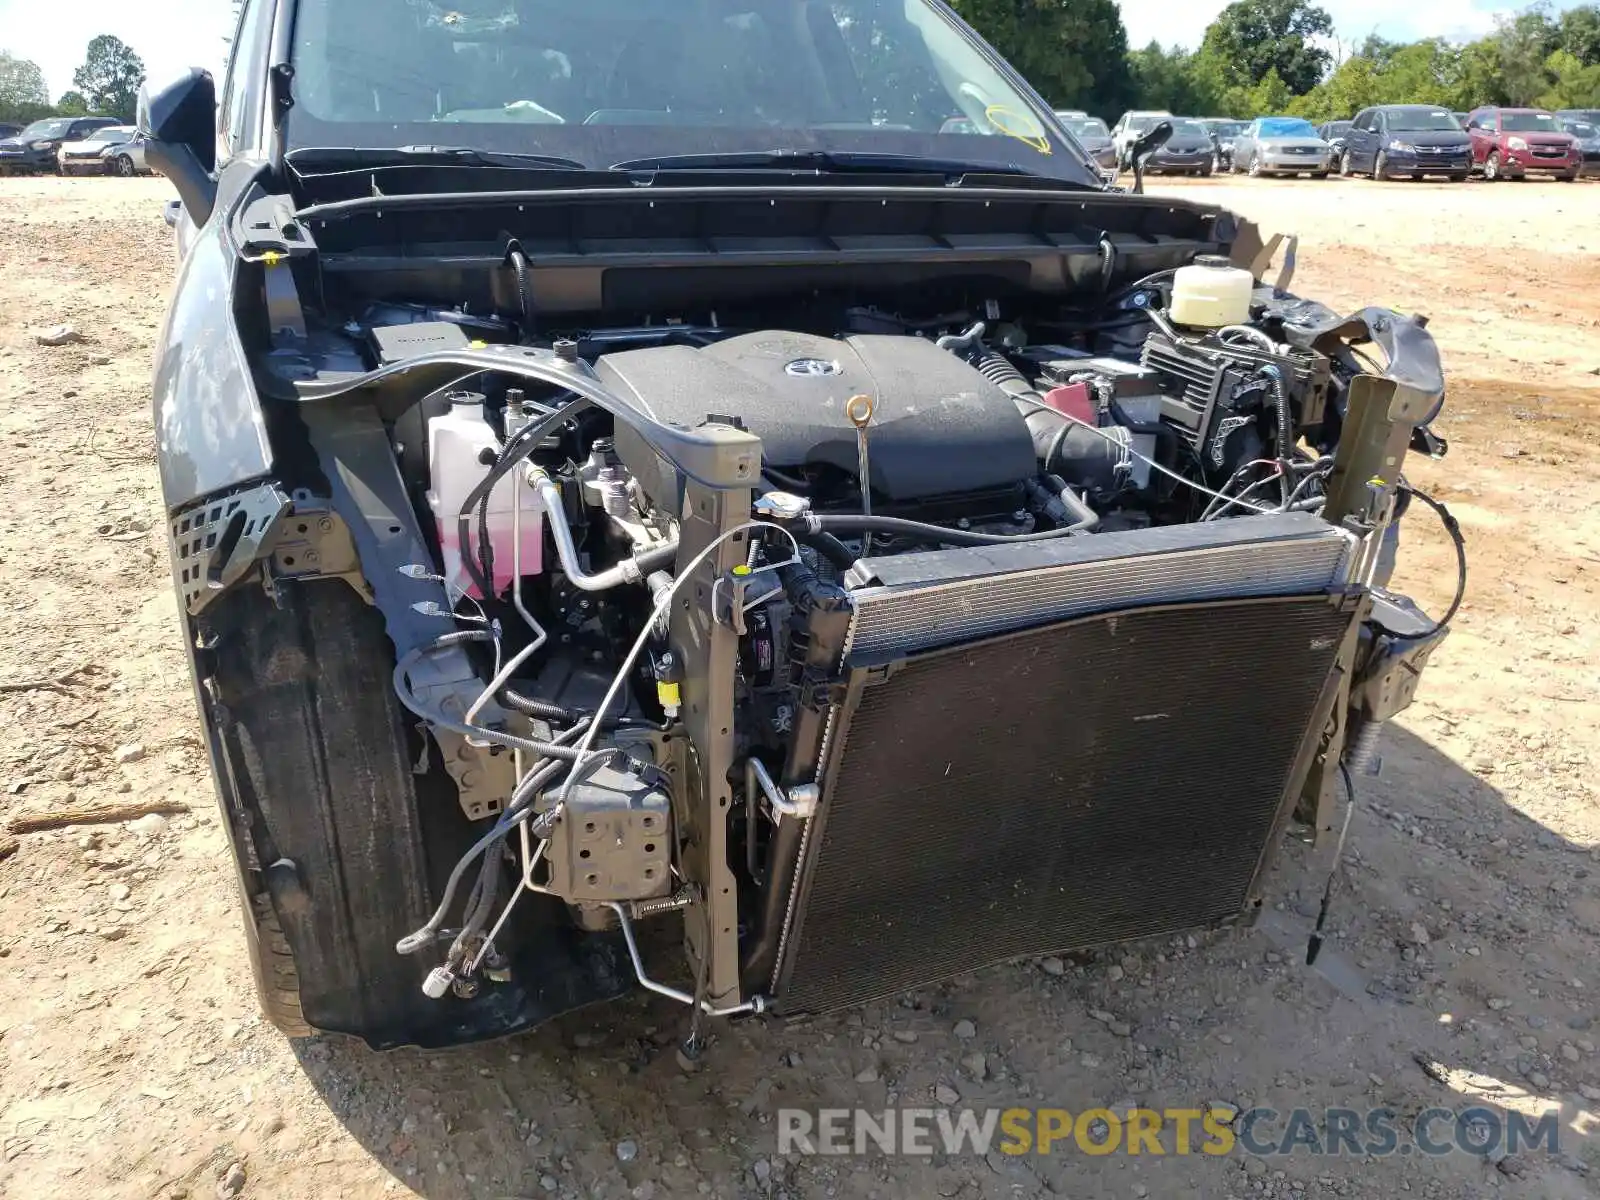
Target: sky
[173, 34]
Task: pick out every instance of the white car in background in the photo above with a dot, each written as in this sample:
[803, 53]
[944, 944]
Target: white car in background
[113, 150]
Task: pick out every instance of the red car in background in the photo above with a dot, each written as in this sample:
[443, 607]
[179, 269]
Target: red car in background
[1510, 143]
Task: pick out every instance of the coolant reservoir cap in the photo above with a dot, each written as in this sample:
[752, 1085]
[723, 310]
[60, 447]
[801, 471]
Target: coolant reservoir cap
[474, 399]
[1211, 260]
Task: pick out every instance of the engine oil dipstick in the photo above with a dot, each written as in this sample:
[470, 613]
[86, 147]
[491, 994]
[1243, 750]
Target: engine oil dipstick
[859, 410]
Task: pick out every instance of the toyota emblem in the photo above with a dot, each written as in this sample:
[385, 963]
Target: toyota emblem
[811, 367]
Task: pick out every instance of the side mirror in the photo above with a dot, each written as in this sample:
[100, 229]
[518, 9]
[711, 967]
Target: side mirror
[178, 123]
[1146, 144]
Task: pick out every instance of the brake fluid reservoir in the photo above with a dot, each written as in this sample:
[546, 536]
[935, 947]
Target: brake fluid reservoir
[462, 446]
[1210, 293]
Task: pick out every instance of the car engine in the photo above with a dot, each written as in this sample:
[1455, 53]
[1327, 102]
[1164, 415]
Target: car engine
[943, 638]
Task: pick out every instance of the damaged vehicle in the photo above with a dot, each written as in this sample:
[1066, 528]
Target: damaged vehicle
[656, 501]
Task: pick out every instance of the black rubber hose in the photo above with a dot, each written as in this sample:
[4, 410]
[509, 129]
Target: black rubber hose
[513, 452]
[862, 523]
[1084, 518]
[825, 544]
[403, 691]
[519, 265]
[1280, 395]
[546, 710]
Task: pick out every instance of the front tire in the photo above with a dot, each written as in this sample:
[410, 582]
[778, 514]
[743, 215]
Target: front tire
[1491, 167]
[125, 166]
[1459, 176]
[1380, 166]
[1255, 166]
[1570, 177]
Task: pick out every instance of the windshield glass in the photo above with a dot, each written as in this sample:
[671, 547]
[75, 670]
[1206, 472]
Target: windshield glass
[49, 128]
[1086, 127]
[1406, 119]
[1189, 130]
[1286, 127]
[110, 133]
[1226, 129]
[1337, 127]
[1580, 129]
[1529, 122]
[602, 81]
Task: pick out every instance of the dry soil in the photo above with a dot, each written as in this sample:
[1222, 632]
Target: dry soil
[132, 1059]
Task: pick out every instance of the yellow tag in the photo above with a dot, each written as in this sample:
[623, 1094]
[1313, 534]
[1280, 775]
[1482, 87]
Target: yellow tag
[667, 694]
[741, 569]
[475, 344]
[272, 258]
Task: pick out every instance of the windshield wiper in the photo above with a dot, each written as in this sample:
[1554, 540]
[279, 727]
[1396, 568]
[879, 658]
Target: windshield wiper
[825, 162]
[395, 156]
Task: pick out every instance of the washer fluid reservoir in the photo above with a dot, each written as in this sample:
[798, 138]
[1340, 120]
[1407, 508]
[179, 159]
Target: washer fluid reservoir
[1210, 293]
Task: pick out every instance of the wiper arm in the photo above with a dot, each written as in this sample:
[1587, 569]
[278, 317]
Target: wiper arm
[823, 161]
[394, 156]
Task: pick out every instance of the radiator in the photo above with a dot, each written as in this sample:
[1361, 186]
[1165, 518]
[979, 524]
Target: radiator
[1057, 746]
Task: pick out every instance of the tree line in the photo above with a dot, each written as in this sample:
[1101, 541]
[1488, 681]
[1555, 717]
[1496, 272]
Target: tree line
[1284, 56]
[107, 84]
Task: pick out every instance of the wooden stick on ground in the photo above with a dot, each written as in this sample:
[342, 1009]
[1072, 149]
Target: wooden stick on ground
[54, 683]
[8, 847]
[92, 814]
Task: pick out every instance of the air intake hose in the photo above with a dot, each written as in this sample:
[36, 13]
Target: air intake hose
[1086, 458]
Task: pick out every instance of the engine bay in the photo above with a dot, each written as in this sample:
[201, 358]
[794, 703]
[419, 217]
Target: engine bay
[560, 531]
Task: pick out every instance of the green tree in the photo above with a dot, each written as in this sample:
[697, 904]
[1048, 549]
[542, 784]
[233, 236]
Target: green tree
[1578, 33]
[1573, 85]
[1168, 79]
[110, 77]
[22, 94]
[1250, 38]
[73, 104]
[1418, 73]
[1524, 42]
[1075, 52]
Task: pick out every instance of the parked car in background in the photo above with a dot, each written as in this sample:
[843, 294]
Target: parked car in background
[1223, 131]
[1281, 146]
[1130, 125]
[9, 131]
[1587, 136]
[1093, 135]
[1406, 139]
[34, 149]
[1189, 151]
[1589, 116]
[1334, 133]
[1512, 143]
[88, 156]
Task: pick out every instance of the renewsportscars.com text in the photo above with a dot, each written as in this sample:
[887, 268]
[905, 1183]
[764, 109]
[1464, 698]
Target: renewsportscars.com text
[1266, 1132]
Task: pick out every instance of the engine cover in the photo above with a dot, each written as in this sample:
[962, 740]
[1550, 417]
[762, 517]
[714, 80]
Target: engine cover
[938, 428]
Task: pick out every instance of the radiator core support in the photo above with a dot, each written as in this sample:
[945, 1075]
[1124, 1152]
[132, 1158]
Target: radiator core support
[1081, 779]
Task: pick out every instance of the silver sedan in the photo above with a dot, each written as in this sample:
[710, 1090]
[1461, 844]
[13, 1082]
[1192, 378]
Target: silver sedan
[1281, 146]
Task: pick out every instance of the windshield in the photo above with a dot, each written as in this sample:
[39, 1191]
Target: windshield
[110, 134]
[1407, 119]
[1580, 129]
[1337, 127]
[1286, 127]
[1189, 130]
[1226, 129]
[49, 128]
[603, 81]
[1086, 127]
[1529, 122]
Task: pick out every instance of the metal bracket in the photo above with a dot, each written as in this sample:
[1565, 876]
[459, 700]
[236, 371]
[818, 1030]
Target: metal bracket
[369, 494]
[313, 542]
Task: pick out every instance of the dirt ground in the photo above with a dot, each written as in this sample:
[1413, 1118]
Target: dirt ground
[133, 1062]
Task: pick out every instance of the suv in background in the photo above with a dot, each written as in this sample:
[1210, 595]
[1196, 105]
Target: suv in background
[34, 149]
[1511, 143]
[1406, 139]
[1587, 135]
[1129, 126]
[1335, 133]
[1093, 136]
[1589, 116]
[1223, 131]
